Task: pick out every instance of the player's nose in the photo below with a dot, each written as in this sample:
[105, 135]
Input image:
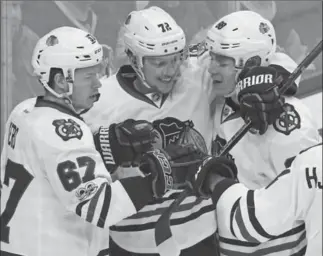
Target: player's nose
[171, 70]
[213, 68]
[97, 83]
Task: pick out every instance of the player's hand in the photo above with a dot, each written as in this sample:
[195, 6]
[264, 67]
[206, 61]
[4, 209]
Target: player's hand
[259, 98]
[211, 172]
[171, 167]
[122, 144]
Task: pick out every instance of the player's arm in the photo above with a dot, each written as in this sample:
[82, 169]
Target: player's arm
[81, 182]
[255, 216]
[83, 185]
[259, 215]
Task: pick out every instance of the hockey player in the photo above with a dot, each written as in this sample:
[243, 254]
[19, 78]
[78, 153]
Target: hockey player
[160, 84]
[57, 196]
[245, 39]
[256, 216]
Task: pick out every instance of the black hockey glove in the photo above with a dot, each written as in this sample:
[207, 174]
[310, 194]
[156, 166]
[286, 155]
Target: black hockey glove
[122, 144]
[212, 171]
[259, 98]
[171, 167]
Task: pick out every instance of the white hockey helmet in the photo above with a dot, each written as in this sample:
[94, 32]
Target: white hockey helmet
[245, 36]
[68, 49]
[151, 32]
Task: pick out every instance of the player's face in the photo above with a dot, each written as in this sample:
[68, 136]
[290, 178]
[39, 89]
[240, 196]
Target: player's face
[162, 72]
[86, 87]
[223, 73]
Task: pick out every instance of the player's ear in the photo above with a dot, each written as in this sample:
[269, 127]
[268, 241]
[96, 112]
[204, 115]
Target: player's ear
[60, 82]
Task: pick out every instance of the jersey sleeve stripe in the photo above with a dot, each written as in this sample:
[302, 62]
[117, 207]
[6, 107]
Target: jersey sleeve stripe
[299, 229]
[93, 203]
[301, 252]
[164, 199]
[233, 210]
[79, 207]
[253, 218]
[105, 207]
[281, 247]
[230, 242]
[173, 222]
[4, 253]
[182, 208]
[243, 230]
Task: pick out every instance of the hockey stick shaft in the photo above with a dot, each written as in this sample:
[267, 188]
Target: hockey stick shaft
[165, 218]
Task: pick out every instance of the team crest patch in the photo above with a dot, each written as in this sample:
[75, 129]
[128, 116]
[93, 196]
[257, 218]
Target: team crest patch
[263, 28]
[67, 129]
[288, 121]
[52, 40]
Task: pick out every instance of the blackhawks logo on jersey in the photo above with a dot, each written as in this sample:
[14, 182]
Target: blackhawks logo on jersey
[288, 121]
[67, 129]
[173, 131]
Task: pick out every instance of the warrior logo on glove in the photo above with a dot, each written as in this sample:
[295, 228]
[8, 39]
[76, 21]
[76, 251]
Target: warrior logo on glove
[259, 97]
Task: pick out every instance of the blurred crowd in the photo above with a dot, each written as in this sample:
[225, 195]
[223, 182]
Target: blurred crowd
[29, 20]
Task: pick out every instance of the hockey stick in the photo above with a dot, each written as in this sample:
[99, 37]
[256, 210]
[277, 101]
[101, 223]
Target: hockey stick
[162, 228]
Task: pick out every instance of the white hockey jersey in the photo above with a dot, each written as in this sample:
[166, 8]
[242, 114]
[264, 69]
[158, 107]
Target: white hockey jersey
[195, 219]
[56, 194]
[256, 216]
[260, 158]
[119, 101]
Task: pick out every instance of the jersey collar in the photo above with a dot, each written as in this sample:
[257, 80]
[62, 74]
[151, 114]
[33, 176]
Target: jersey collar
[41, 102]
[126, 77]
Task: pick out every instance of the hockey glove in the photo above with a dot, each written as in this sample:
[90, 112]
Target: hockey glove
[212, 171]
[171, 167]
[259, 98]
[122, 144]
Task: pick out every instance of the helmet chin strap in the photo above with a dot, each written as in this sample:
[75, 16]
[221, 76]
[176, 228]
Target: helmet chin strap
[68, 101]
[138, 69]
[143, 81]
[67, 98]
[64, 96]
